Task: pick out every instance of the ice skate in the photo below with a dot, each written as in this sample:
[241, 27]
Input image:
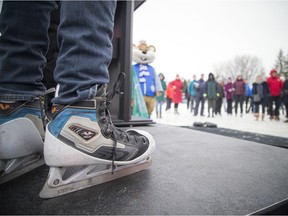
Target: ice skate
[83, 148]
[21, 140]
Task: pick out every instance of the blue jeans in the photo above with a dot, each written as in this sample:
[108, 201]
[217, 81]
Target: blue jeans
[159, 106]
[199, 99]
[85, 48]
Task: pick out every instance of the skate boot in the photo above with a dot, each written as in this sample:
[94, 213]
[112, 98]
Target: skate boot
[21, 140]
[83, 148]
[256, 116]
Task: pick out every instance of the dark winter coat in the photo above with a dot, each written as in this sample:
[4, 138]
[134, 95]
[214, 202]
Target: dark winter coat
[265, 91]
[220, 91]
[201, 88]
[211, 87]
[285, 92]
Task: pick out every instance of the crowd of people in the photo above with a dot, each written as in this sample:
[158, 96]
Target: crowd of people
[264, 97]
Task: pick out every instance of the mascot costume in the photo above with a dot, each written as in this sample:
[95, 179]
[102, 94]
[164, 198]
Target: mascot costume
[148, 80]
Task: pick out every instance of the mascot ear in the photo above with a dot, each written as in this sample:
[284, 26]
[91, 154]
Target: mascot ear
[134, 46]
[152, 48]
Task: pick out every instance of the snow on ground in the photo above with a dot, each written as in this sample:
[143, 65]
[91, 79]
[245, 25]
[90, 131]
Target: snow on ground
[245, 123]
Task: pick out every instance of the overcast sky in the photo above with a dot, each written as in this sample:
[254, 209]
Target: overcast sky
[191, 36]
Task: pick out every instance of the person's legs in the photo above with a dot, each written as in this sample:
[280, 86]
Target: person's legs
[277, 107]
[160, 108]
[213, 106]
[209, 106]
[176, 108]
[192, 98]
[168, 103]
[263, 109]
[197, 99]
[81, 131]
[229, 106]
[220, 106]
[256, 110]
[82, 123]
[202, 101]
[85, 49]
[157, 108]
[24, 43]
[237, 99]
[270, 107]
[241, 104]
[188, 101]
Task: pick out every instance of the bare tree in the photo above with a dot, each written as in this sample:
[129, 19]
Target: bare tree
[247, 66]
[280, 62]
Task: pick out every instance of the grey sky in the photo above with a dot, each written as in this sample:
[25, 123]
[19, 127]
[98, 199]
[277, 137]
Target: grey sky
[191, 36]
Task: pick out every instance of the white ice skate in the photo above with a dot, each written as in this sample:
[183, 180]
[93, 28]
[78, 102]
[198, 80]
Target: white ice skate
[83, 148]
[21, 143]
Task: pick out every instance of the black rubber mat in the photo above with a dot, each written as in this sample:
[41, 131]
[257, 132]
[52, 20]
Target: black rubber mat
[255, 137]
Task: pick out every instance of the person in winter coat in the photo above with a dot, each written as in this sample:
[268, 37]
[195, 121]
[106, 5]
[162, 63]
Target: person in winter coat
[211, 93]
[239, 94]
[285, 97]
[169, 96]
[260, 93]
[229, 94]
[219, 100]
[177, 93]
[275, 85]
[160, 98]
[248, 98]
[192, 92]
[200, 89]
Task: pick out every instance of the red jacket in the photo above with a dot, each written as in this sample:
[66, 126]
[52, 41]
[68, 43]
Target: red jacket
[275, 85]
[169, 91]
[177, 94]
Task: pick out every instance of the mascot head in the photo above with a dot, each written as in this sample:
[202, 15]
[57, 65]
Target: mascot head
[143, 53]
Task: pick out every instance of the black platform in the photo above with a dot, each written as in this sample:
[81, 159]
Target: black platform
[193, 172]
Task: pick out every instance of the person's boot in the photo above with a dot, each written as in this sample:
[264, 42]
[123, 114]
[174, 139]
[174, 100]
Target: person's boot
[85, 128]
[176, 111]
[262, 117]
[256, 116]
[82, 140]
[21, 137]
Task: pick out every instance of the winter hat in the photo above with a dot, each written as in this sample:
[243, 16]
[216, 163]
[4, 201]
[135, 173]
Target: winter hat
[273, 71]
[211, 75]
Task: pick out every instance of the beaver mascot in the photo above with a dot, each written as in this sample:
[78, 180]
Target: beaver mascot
[150, 84]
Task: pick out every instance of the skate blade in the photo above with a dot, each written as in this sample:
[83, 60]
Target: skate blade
[27, 166]
[95, 179]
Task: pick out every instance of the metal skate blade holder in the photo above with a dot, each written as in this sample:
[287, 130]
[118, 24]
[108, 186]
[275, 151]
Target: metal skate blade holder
[21, 147]
[86, 176]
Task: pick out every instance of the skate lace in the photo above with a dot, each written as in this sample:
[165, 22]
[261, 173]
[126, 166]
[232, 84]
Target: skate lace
[109, 130]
